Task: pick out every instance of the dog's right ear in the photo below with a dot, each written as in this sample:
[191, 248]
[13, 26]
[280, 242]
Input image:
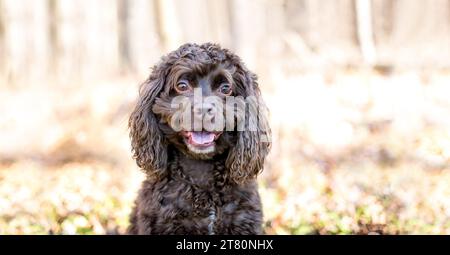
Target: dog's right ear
[148, 144]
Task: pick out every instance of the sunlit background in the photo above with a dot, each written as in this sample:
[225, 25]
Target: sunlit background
[359, 94]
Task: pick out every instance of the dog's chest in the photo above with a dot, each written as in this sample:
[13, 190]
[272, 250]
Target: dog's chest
[196, 200]
[200, 210]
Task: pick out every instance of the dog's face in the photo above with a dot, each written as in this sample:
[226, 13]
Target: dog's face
[191, 108]
[202, 101]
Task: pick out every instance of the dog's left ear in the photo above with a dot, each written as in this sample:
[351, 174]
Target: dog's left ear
[246, 159]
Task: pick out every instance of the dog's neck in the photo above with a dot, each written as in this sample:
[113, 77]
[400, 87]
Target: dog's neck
[200, 172]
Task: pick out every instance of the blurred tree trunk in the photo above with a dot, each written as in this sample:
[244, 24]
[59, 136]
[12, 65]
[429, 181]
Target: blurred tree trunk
[124, 47]
[53, 36]
[143, 42]
[167, 24]
[247, 28]
[365, 31]
[2, 41]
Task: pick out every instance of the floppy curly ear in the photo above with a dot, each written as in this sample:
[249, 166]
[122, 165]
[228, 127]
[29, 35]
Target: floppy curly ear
[147, 141]
[246, 159]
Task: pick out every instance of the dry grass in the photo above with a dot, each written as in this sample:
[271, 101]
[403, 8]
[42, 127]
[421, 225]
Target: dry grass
[354, 152]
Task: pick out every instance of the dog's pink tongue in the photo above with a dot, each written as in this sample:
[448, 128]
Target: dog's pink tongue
[202, 138]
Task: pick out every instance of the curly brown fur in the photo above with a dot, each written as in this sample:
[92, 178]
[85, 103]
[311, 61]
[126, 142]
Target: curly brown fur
[189, 189]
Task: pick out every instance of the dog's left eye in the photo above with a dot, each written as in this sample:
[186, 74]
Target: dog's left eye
[225, 89]
[182, 86]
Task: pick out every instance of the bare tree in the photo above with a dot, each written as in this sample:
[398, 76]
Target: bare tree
[365, 31]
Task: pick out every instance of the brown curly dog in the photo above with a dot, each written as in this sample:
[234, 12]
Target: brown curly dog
[201, 156]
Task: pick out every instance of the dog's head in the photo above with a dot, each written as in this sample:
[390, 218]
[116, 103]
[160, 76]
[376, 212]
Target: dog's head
[202, 101]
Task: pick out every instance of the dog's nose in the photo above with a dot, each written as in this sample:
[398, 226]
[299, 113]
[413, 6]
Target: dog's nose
[209, 109]
[204, 109]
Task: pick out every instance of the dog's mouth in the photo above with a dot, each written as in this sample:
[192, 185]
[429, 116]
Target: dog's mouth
[200, 139]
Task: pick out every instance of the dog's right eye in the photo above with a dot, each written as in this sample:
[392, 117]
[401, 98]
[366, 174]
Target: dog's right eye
[182, 86]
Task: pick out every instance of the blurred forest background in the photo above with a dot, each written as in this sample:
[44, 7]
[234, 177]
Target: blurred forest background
[359, 93]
